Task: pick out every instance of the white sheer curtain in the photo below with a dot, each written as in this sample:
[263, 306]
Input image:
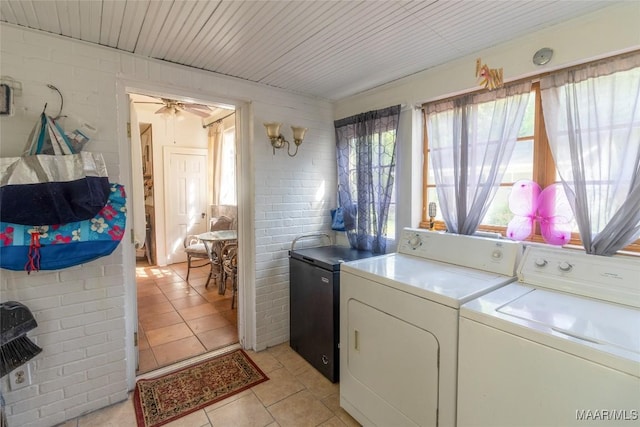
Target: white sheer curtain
[216, 132]
[592, 116]
[471, 140]
[227, 190]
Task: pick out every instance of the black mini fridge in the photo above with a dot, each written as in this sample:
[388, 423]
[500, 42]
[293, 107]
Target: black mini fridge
[314, 292]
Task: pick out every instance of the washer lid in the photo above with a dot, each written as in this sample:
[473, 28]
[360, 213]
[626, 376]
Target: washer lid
[596, 330]
[586, 319]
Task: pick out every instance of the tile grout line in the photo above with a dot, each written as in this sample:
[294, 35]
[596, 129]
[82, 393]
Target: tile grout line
[195, 292]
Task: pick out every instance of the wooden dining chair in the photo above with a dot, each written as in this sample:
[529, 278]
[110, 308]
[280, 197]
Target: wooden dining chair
[195, 251]
[229, 257]
[222, 223]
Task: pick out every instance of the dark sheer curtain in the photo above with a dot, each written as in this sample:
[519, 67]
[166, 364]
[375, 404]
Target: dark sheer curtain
[366, 152]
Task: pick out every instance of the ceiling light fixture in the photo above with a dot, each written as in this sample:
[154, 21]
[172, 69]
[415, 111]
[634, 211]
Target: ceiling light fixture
[278, 141]
[542, 56]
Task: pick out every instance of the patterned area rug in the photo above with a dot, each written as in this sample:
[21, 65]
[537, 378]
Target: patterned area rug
[164, 399]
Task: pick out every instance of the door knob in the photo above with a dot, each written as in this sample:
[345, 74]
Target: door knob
[203, 215]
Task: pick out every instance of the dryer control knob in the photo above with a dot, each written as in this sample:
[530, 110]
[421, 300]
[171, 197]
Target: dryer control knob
[541, 262]
[496, 254]
[565, 266]
[415, 242]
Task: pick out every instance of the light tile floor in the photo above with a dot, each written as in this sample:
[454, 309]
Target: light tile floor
[295, 395]
[179, 319]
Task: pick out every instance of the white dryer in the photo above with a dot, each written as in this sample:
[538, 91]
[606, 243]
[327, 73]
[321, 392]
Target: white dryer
[559, 348]
[399, 324]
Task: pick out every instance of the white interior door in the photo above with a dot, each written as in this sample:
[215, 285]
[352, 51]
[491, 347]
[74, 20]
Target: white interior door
[185, 198]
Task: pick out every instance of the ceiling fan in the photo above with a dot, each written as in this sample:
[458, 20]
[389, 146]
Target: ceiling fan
[172, 107]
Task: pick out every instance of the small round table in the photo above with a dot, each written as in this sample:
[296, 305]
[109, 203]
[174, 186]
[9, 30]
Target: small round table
[213, 242]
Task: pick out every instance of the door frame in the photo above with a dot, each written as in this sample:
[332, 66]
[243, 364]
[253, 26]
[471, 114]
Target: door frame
[245, 187]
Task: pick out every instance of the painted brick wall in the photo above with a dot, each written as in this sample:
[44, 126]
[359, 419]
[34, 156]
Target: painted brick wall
[81, 311]
[293, 197]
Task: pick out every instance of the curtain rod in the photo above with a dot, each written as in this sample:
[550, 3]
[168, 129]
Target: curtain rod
[218, 120]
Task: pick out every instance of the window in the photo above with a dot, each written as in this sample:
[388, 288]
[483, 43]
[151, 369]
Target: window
[365, 145]
[532, 159]
[473, 137]
[380, 169]
[532, 145]
[228, 176]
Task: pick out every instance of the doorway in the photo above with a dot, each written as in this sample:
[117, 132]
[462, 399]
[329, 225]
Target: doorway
[179, 319]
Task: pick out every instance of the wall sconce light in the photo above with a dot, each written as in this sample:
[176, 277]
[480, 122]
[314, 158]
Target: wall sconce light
[278, 141]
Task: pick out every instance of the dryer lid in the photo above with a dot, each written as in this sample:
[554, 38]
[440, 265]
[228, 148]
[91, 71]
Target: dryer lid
[447, 284]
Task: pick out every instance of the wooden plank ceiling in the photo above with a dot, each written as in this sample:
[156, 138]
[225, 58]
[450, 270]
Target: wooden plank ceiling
[327, 49]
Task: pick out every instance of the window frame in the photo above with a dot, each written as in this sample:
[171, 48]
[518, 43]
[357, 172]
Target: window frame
[544, 173]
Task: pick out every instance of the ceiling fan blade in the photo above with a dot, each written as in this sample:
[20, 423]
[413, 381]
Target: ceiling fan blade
[198, 106]
[196, 111]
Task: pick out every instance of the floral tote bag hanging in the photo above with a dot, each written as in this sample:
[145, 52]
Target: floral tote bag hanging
[53, 247]
[59, 188]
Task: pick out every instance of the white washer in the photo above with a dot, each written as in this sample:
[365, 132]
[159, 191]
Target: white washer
[399, 324]
[560, 348]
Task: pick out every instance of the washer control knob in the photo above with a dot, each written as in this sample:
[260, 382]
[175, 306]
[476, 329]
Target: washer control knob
[415, 242]
[540, 262]
[565, 266]
[496, 254]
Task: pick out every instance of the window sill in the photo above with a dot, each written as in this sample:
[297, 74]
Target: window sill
[632, 250]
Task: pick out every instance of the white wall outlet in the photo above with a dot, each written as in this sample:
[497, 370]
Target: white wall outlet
[20, 377]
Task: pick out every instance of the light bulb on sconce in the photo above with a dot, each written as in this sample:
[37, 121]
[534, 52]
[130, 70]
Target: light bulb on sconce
[278, 141]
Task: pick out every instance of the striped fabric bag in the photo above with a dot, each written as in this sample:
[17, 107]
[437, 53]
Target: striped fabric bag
[59, 188]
